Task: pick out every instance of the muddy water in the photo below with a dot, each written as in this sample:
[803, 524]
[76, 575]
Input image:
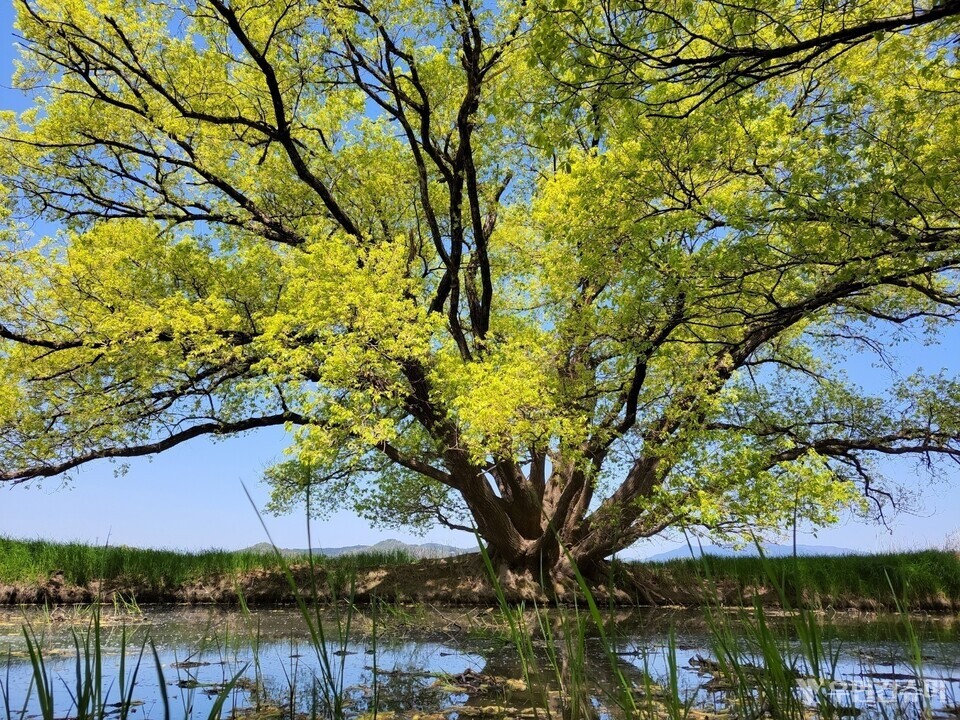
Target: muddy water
[453, 663]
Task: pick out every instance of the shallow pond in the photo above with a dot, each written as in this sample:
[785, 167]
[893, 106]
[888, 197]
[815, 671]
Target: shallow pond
[459, 663]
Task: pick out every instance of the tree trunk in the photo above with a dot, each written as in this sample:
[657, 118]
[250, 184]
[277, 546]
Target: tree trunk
[538, 530]
[545, 568]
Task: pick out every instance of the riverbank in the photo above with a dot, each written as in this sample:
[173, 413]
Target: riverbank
[924, 581]
[37, 572]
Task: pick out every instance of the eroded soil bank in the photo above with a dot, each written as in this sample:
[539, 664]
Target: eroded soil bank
[460, 580]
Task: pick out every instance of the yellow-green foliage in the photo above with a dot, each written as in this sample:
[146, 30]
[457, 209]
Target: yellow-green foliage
[447, 245]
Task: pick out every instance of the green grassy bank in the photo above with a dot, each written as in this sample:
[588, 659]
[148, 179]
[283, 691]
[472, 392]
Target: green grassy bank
[928, 579]
[39, 571]
[38, 561]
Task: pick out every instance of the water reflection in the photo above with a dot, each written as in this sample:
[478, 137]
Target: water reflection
[458, 664]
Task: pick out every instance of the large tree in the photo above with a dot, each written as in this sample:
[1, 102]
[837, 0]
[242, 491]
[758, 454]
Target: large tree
[566, 273]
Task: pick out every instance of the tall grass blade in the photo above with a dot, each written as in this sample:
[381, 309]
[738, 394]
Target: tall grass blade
[42, 681]
[161, 681]
[331, 674]
[217, 709]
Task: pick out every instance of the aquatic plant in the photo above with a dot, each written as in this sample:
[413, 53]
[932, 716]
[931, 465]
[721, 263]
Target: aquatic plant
[90, 696]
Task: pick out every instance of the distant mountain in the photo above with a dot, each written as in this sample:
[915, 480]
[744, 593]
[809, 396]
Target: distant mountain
[422, 550]
[770, 550]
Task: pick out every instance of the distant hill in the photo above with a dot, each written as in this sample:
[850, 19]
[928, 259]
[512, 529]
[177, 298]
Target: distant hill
[422, 550]
[770, 550]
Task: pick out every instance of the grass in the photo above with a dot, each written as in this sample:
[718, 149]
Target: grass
[34, 561]
[922, 577]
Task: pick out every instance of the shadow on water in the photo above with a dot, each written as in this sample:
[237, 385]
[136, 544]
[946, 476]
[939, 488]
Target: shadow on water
[459, 663]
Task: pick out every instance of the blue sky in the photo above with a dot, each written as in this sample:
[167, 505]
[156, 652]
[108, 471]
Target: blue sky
[192, 497]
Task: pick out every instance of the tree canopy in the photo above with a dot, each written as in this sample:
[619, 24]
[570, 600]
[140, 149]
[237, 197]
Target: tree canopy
[566, 273]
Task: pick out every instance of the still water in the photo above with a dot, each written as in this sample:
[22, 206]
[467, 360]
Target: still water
[458, 663]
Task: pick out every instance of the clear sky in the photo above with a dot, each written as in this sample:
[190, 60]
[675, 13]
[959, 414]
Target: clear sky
[192, 497]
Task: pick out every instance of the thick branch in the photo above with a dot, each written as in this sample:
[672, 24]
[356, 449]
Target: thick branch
[172, 440]
[283, 123]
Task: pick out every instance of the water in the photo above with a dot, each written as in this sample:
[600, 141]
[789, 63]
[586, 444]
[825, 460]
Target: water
[453, 663]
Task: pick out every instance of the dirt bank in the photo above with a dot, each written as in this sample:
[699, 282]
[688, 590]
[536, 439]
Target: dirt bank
[460, 580]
